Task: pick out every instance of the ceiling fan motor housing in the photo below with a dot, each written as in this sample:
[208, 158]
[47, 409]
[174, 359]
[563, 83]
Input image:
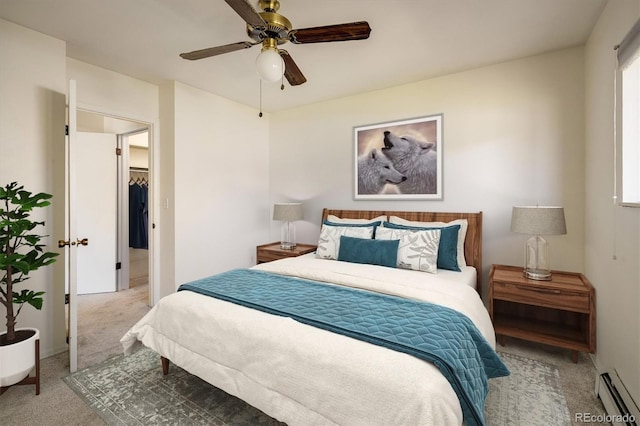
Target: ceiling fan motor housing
[278, 26]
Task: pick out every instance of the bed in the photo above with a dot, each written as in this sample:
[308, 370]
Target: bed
[302, 372]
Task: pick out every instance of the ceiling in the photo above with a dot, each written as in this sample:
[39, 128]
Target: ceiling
[411, 40]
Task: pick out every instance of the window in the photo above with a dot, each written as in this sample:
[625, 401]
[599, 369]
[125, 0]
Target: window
[628, 53]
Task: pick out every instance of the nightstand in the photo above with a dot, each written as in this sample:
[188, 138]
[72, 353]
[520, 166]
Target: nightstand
[272, 251]
[560, 312]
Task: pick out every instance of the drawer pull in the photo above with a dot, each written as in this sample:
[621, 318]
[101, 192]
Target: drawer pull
[539, 290]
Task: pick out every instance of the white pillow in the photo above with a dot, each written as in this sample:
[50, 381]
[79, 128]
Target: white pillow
[417, 250]
[462, 233]
[329, 241]
[335, 219]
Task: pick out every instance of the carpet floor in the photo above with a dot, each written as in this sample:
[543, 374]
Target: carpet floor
[132, 390]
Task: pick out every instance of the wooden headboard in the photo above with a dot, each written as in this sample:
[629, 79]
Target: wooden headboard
[472, 242]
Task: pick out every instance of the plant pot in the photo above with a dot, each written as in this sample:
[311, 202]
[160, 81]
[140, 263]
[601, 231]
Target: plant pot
[18, 359]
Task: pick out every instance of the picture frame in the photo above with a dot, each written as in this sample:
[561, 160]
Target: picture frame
[399, 160]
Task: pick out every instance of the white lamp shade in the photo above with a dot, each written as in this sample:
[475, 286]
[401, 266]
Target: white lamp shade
[287, 211]
[270, 65]
[538, 220]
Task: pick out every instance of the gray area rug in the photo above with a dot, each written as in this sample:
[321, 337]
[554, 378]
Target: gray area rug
[132, 390]
[531, 395]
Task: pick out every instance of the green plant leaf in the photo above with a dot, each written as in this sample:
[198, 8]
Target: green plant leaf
[20, 248]
[29, 296]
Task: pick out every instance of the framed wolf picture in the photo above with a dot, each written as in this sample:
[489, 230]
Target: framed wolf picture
[399, 159]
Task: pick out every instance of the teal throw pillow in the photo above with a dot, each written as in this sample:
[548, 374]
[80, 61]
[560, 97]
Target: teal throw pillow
[372, 252]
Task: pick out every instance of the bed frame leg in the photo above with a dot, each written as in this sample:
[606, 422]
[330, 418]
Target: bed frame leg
[165, 365]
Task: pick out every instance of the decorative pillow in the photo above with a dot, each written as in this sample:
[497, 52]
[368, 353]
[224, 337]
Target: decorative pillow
[447, 248]
[462, 234]
[373, 252]
[329, 241]
[417, 250]
[355, 225]
[336, 219]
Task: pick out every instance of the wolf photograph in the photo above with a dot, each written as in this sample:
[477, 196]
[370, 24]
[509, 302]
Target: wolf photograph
[399, 160]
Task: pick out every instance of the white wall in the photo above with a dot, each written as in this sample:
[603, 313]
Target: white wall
[612, 238]
[221, 160]
[513, 134]
[112, 93]
[166, 181]
[32, 88]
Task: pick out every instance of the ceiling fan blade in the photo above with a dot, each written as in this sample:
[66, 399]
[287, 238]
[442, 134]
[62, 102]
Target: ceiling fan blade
[291, 71]
[339, 32]
[218, 50]
[248, 13]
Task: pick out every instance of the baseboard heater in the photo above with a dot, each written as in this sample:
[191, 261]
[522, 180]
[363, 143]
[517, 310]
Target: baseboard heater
[621, 409]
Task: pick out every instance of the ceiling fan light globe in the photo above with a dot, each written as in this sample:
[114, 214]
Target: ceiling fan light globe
[270, 65]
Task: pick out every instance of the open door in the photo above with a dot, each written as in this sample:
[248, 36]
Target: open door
[70, 239]
[90, 176]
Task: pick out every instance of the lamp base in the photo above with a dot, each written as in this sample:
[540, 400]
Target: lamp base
[537, 274]
[287, 246]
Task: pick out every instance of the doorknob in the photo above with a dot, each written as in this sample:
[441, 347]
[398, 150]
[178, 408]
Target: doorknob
[80, 242]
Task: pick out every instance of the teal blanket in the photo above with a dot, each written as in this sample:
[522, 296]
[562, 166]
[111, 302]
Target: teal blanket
[431, 332]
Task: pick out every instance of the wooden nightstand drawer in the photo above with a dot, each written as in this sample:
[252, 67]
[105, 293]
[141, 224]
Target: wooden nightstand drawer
[268, 256]
[540, 295]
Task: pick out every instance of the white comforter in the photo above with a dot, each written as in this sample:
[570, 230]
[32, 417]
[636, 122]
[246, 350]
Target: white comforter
[302, 375]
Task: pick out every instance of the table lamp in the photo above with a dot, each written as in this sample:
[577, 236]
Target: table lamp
[287, 212]
[536, 221]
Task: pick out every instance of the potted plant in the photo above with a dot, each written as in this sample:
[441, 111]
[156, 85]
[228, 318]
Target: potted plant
[20, 253]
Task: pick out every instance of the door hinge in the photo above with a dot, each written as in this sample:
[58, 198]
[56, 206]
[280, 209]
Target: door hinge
[66, 299]
[118, 151]
[118, 265]
[66, 130]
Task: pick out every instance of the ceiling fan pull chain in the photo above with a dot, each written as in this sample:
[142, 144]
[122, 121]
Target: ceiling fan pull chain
[260, 115]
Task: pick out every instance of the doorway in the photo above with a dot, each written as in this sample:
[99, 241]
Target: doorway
[129, 265]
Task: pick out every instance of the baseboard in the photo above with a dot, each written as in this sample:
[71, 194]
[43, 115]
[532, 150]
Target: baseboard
[620, 407]
[53, 351]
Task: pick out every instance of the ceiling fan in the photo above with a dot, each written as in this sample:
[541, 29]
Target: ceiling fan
[271, 29]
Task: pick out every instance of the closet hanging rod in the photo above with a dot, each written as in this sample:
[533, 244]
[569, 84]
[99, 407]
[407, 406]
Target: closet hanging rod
[138, 169]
